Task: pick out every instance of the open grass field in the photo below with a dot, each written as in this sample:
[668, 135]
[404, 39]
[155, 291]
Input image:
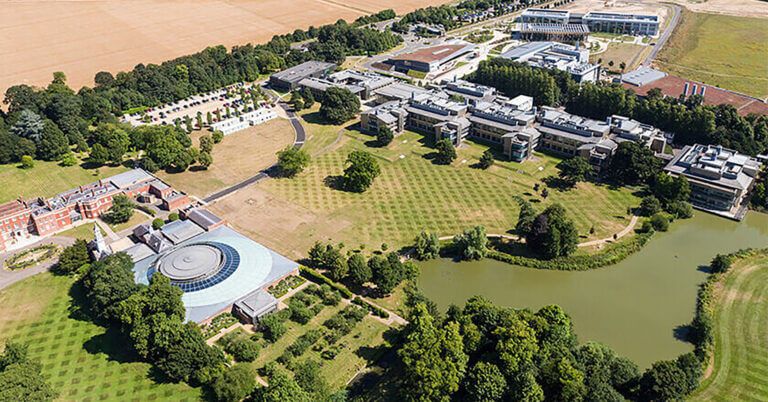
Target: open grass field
[412, 194]
[742, 8]
[82, 38]
[740, 369]
[136, 219]
[319, 135]
[237, 157]
[80, 359]
[47, 179]
[359, 346]
[725, 51]
[84, 231]
[620, 52]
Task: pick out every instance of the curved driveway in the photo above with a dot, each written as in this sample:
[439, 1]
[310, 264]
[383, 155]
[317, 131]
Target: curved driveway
[298, 142]
[664, 35]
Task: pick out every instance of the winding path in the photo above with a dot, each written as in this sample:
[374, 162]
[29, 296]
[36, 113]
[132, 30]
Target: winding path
[664, 35]
[619, 235]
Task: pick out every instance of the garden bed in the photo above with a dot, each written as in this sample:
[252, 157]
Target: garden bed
[32, 257]
[221, 321]
[285, 286]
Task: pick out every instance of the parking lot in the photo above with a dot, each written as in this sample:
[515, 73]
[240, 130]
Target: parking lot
[201, 104]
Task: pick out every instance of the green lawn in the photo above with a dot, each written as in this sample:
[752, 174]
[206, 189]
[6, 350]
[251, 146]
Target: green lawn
[47, 179]
[80, 359]
[413, 194]
[721, 50]
[740, 369]
[359, 347]
[319, 134]
[136, 219]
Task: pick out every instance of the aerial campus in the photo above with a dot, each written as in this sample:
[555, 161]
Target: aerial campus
[493, 200]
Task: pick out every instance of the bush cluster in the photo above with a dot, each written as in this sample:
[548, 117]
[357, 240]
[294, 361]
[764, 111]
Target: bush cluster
[343, 322]
[317, 277]
[373, 309]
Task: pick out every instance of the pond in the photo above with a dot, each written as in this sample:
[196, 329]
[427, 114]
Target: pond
[638, 307]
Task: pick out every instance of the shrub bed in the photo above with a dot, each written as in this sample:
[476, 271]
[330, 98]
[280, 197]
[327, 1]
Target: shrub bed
[317, 277]
[31, 257]
[343, 322]
[285, 286]
[221, 321]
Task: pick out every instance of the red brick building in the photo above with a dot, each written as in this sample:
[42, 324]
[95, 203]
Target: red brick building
[44, 216]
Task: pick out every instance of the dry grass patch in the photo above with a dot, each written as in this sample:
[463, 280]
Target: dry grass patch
[237, 157]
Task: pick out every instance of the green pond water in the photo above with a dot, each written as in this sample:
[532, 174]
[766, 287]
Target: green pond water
[637, 307]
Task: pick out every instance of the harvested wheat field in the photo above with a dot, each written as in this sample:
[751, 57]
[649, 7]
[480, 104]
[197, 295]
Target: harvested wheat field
[82, 38]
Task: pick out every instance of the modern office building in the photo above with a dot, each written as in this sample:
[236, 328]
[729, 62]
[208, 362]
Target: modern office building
[628, 129]
[391, 114]
[720, 178]
[571, 59]
[468, 90]
[545, 16]
[508, 125]
[399, 91]
[288, 79]
[444, 118]
[628, 24]
[553, 32]
[362, 84]
[573, 135]
[430, 59]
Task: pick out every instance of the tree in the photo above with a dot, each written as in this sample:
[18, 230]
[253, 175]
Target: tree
[29, 125]
[309, 377]
[669, 190]
[281, 388]
[217, 136]
[485, 382]
[206, 143]
[649, 205]
[205, 160]
[173, 216]
[660, 222]
[433, 359]
[335, 263]
[384, 136]
[552, 233]
[426, 246]
[622, 65]
[98, 155]
[273, 327]
[664, 381]
[384, 275]
[157, 223]
[339, 105]
[446, 153]
[486, 160]
[545, 193]
[309, 99]
[209, 118]
[525, 217]
[234, 383]
[20, 378]
[359, 271]
[721, 263]
[362, 168]
[291, 161]
[121, 209]
[52, 143]
[73, 257]
[108, 282]
[574, 170]
[472, 243]
[633, 164]
[681, 210]
[27, 162]
[68, 159]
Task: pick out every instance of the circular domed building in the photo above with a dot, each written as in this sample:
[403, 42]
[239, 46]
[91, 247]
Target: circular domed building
[215, 269]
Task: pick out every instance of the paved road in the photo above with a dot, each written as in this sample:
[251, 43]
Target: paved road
[298, 142]
[664, 35]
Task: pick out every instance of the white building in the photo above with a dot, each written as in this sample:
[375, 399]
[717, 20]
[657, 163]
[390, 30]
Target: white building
[571, 59]
[244, 121]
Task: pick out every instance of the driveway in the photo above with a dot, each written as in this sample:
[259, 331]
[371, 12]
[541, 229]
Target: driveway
[8, 278]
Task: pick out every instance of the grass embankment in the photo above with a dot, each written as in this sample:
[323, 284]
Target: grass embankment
[411, 194]
[618, 53]
[47, 179]
[740, 310]
[721, 50]
[80, 359]
[237, 157]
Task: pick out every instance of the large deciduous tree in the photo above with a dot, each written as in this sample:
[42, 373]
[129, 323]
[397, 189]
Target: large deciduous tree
[339, 105]
[362, 168]
[291, 161]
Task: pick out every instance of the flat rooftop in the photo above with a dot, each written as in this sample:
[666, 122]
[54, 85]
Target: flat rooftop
[434, 53]
[302, 70]
[554, 28]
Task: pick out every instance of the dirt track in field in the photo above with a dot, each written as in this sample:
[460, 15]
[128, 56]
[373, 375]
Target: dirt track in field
[82, 38]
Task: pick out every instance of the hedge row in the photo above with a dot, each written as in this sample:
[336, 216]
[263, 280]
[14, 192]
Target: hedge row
[317, 277]
[374, 309]
[702, 325]
[611, 255]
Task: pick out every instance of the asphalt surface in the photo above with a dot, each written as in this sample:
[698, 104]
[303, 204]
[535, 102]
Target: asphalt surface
[298, 142]
[664, 35]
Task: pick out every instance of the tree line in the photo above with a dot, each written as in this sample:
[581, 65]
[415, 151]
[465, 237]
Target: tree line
[483, 352]
[688, 118]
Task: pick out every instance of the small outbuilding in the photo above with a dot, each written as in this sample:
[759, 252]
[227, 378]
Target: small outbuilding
[255, 305]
